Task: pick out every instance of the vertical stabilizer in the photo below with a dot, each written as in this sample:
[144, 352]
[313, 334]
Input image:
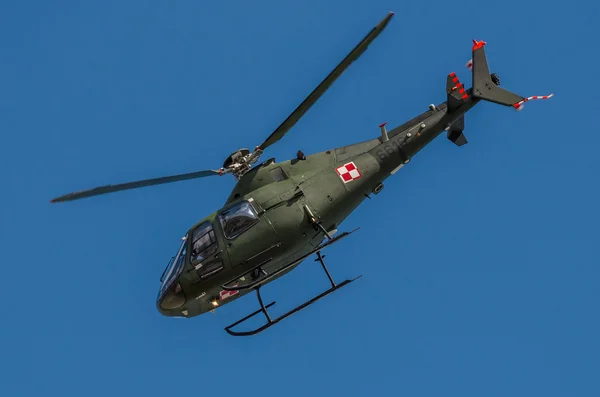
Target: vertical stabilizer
[486, 85]
[483, 86]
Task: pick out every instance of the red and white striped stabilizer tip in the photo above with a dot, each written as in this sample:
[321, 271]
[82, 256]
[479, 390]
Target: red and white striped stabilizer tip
[519, 105]
[469, 64]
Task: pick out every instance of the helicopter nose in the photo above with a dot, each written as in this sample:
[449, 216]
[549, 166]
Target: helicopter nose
[173, 298]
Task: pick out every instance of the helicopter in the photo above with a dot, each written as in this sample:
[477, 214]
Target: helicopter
[278, 214]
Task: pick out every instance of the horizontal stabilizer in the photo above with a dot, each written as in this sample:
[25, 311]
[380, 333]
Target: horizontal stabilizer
[483, 86]
[455, 133]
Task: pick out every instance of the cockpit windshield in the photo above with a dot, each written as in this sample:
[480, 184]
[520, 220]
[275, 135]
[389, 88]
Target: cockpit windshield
[237, 219]
[174, 268]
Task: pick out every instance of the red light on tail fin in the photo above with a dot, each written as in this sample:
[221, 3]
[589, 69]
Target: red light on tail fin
[478, 44]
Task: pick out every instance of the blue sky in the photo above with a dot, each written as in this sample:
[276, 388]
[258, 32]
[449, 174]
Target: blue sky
[480, 263]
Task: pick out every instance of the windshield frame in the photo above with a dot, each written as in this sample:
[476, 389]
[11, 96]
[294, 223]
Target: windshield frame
[174, 268]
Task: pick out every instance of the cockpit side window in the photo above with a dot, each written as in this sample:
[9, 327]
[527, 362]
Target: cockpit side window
[238, 219]
[204, 243]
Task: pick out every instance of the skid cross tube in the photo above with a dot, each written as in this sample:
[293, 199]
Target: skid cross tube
[270, 322]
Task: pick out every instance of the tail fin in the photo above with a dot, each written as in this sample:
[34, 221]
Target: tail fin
[455, 132]
[456, 92]
[486, 85]
[457, 95]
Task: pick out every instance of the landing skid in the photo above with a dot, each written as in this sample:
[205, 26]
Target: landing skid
[258, 283]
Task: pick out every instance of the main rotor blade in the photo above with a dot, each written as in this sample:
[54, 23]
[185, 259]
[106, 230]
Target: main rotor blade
[325, 84]
[134, 185]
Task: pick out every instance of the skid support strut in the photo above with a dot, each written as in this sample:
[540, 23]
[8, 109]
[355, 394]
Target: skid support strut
[263, 308]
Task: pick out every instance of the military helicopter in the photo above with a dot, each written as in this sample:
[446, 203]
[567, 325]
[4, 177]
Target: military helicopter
[280, 213]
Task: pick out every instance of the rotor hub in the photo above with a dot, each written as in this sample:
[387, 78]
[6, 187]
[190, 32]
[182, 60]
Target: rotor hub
[239, 162]
[235, 157]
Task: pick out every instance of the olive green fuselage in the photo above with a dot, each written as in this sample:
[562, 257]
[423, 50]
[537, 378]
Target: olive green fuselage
[279, 193]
